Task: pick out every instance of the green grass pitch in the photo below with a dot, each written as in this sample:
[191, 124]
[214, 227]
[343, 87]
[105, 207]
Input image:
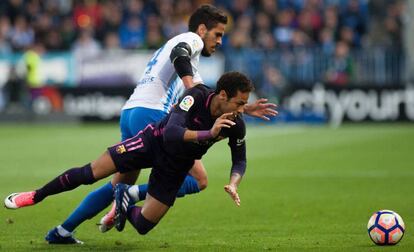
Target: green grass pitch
[306, 189]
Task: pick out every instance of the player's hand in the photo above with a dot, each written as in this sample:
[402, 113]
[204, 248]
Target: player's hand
[261, 108]
[232, 191]
[222, 122]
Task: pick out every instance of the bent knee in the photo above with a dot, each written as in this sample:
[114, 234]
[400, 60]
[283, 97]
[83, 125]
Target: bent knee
[202, 184]
[143, 226]
[143, 231]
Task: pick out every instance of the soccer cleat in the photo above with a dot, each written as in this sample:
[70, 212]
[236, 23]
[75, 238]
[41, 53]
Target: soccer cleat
[107, 222]
[18, 200]
[122, 201]
[53, 237]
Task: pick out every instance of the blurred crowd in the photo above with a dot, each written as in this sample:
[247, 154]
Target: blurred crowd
[334, 27]
[269, 24]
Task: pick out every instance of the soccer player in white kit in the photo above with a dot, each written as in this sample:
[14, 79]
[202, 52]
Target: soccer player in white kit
[172, 69]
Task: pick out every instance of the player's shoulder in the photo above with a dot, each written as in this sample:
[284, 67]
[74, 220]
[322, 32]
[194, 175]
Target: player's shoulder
[199, 89]
[196, 95]
[191, 38]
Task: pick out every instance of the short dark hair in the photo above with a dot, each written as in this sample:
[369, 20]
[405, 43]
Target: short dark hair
[231, 82]
[208, 15]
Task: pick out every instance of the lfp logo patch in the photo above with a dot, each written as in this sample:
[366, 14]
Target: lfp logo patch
[187, 102]
[196, 45]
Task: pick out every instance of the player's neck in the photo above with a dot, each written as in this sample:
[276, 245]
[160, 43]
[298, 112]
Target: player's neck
[215, 110]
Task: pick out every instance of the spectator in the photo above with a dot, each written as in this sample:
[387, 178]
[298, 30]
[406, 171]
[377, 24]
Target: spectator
[264, 40]
[309, 19]
[241, 8]
[111, 18]
[111, 43]
[263, 23]
[21, 35]
[132, 33]
[133, 9]
[348, 35]
[53, 41]
[5, 48]
[87, 14]
[283, 31]
[5, 26]
[86, 47]
[273, 84]
[341, 69]
[32, 60]
[354, 17]
[154, 36]
[13, 9]
[16, 93]
[269, 7]
[327, 41]
[302, 66]
[393, 24]
[331, 18]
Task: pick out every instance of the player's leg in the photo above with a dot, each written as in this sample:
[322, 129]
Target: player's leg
[68, 180]
[164, 182]
[144, 218]
[194, 183]
[132, 121]
[198, 172]
[147, 217]
[135, 120]
[102, 197]
[126, 156]
[96, 201]
[107, 221]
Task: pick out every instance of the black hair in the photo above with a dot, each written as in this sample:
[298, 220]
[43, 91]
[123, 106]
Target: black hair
[231, 82]
[208, 15]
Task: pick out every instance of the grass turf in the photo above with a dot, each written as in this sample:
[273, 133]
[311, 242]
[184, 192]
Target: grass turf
[306, 188]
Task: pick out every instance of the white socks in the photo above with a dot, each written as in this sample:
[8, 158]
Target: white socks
[133, 192]
[63, 232]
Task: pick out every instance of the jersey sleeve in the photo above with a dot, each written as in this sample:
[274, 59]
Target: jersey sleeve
[176, 127]
[197, 77]
[237, 145]
[195, 42]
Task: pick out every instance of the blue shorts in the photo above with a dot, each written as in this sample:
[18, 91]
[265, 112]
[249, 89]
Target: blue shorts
[135, 119]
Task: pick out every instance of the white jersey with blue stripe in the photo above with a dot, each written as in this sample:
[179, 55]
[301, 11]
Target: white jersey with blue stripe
[159, 86]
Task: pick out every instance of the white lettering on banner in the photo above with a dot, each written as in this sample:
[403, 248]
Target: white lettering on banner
[356, 104]
[96, 104]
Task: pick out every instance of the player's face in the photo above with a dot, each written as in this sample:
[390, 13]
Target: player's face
[236, 103]
[212, 39]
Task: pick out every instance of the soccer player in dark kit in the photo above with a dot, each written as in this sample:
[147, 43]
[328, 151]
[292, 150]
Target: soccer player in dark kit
[201, 118]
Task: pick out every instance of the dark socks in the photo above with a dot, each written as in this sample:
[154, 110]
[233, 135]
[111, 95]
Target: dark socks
[67, 181]
[140, 223]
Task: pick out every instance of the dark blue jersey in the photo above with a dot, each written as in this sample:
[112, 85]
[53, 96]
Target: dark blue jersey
[193, 112]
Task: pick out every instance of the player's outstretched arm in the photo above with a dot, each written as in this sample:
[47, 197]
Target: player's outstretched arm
[261, 108]
[201, 135]
[231, 188]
